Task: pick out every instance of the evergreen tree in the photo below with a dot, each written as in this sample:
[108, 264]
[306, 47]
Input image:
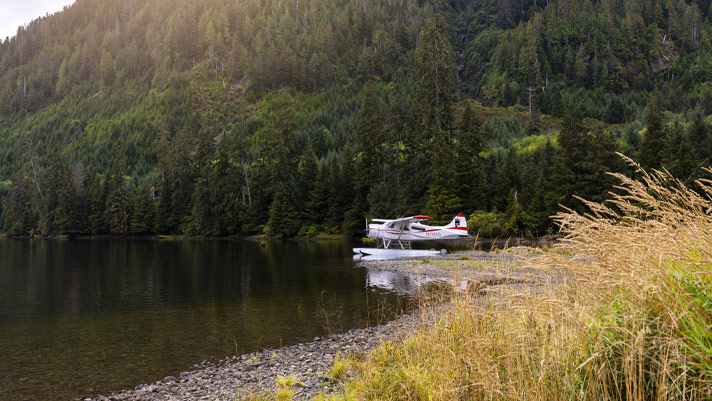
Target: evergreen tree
[282, 221]
[117, 202]
[543, 204]
[443, 201]
[18, 217]
[470, 143]
[679, 157]
[653, 144]
[142, 209]
[226, 178]
[582, 163]
[97, 205]
[316, 207]
[202, 219]
[699, 137]
[370, 159]
[430, 146]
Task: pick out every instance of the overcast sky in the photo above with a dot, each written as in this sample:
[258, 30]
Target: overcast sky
[14, 13]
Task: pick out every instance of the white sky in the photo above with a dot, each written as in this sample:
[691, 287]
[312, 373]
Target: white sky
[14, 13]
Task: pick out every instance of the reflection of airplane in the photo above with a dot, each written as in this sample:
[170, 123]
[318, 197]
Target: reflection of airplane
[407, 229]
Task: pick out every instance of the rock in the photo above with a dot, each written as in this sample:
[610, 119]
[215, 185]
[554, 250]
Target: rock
[256, 372]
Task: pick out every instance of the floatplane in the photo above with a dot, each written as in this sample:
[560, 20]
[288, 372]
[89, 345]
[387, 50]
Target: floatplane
[394, 237]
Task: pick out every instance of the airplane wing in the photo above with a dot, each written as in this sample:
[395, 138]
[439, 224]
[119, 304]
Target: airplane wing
[412, 219]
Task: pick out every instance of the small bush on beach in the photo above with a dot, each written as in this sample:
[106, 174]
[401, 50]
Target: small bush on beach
[284, 394]
[626, 314]
[339, 369]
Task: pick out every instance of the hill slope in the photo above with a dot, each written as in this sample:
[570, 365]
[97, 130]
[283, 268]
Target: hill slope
[304, 116]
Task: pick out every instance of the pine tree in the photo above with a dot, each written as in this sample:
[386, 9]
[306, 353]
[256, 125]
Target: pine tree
[443, 201]
[117, 202]
[96, 200]
[18, 216]
[225, 178]
[679, 157]
[371, 144]
[699, 136]
[142, 219]
[282, 221]
[470, 143]
[543, 204]
[431, 142]
[316, 207]
[653, 143]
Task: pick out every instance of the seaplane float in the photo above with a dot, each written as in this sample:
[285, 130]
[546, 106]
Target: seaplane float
[394, 237]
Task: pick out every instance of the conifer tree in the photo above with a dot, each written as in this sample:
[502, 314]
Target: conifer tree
[117, 202]
[470, 143]
[430, 145]
[282, 221]
[316, 208]
[370, 159]
[679, 157]
[97, 205]
[699, 137]
[653, 143]
[142, 209]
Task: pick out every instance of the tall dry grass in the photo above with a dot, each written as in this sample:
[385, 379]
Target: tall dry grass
[652, 277]
[626, 314]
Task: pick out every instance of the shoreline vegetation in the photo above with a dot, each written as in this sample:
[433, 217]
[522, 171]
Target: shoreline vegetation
[631, 318]
[620, 310]
[498, 242]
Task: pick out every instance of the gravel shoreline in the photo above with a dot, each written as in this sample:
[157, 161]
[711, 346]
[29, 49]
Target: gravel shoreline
[256, 373]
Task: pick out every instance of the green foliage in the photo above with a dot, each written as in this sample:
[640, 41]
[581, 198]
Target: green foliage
[206, 118]
[116, 213]
[487, 224]
[653, 144]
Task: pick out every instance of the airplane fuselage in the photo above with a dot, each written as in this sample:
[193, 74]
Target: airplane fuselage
[407, 229]
[378, 231]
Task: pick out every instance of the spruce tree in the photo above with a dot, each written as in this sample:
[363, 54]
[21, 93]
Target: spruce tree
[430, 145]
[470, 143]
[117, 202]
[142, 209]
[699, 136]
[370, 147]
[97, 205]
[679, 157]
[653, 143]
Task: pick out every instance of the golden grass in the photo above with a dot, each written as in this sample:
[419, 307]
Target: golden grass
[627, 314]
[339, 369]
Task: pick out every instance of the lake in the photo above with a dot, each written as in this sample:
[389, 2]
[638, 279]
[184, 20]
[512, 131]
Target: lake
[90, 316]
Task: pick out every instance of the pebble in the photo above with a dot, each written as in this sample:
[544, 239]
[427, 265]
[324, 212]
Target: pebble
[256, 373]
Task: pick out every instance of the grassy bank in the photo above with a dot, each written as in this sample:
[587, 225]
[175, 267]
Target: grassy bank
[632, 321]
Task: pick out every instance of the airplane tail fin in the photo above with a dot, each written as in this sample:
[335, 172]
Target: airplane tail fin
[458, 223]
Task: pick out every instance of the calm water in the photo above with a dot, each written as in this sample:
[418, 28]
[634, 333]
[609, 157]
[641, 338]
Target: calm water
[87, 317]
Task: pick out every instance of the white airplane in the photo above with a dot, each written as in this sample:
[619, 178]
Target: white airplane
[407, 229]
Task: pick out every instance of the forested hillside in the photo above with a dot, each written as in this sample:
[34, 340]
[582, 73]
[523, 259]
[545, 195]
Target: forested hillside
[299, 117]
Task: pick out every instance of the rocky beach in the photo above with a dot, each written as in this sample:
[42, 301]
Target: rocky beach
[256, 373]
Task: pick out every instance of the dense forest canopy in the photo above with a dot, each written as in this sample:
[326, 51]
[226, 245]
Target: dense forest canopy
[299, 117]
